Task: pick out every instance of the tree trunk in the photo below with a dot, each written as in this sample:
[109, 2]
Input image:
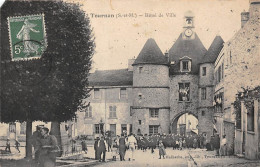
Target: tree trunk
[28, 139]
[55, 130]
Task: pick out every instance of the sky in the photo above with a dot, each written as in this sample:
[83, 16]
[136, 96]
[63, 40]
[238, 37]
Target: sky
[120, 39]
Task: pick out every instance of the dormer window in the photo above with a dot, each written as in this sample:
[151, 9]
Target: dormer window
[185, 64]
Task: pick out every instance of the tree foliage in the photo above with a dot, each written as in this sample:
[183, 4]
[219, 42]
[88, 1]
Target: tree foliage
[50, 88]
[247, 96]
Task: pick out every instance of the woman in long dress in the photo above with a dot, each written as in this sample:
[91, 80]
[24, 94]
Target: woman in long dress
[162, 151]
[24, 33]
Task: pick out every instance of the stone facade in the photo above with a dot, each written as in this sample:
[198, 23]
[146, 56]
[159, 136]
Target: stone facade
[150, 91]
[239, 64]
[101, 108]
[180, 107]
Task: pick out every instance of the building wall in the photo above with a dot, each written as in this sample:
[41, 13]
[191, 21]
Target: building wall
[229, 128]
[205, 110]
[150, 90]
[208, 83]
[110, 96]
[179, 106]
[205, 124]
[208, 79]
[242, 58]
[151, 97]
[250, 138]
[151, 75]
[144, 115]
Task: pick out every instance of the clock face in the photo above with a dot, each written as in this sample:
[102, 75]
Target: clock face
[188, 32]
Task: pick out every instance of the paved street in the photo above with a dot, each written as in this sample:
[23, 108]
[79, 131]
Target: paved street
[185, 158]
[181, 158]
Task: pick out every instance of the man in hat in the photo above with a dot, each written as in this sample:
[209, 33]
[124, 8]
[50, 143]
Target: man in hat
[102, 148]
[122, 147]
[49, 149]
[7, 147]
[35, 138]
[96, 148]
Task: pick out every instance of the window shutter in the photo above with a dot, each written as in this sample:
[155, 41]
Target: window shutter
[189, 65]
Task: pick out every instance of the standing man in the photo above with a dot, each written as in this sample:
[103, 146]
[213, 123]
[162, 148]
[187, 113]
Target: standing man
[109, 142]
[7, 147]
[96, 148]
[36, 142]
[122, 147]
[49, 149]
[102, 148]
[17, 144]
[132, 142]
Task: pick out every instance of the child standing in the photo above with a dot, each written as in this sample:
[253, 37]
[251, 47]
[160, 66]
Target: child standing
[7, 147]
[161, 149]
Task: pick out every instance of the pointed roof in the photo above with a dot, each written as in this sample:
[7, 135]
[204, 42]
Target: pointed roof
[214, 50]
[151, 54]
[193, 48]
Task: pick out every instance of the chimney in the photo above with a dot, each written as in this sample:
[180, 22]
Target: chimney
[130, 62]
[244, 18]
[254, 8]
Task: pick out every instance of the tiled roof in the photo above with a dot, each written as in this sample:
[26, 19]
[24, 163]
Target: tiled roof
[193, 49]
[214, 50]
[151, 54]
[111, 78]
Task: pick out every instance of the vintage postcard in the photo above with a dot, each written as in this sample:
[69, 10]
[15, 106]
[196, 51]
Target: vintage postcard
[130, 83]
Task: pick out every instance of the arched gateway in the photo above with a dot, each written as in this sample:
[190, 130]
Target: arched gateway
[175, 119]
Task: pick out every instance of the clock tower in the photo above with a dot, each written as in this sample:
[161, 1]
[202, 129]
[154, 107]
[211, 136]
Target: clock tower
[188, 26]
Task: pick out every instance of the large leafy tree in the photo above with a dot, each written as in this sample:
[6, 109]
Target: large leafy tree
[50, 88]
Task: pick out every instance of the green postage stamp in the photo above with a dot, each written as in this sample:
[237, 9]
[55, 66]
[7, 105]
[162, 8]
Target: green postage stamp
[27, 37]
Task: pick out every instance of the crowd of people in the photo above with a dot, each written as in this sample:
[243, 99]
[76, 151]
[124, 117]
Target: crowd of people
[175, 141]
[117, 146]
[46, 146]
[120, 144]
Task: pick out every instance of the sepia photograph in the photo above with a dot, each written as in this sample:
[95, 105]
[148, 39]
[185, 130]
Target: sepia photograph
[104, 83]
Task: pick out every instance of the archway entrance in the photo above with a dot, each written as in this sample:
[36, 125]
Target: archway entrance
[184, 123]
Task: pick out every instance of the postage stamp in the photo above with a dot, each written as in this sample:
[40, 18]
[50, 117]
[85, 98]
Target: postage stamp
[27, 37]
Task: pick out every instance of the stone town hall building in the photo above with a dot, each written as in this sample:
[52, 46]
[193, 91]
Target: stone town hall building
[156, 89]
